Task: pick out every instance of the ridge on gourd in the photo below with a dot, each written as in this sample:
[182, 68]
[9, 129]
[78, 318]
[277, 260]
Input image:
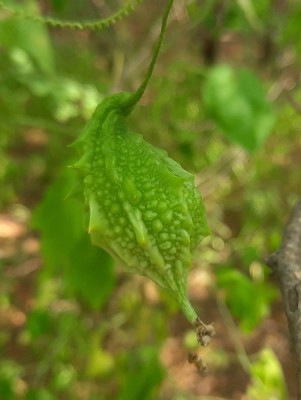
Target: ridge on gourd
[145, 209]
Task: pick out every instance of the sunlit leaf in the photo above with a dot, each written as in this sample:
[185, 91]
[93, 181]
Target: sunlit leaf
[267, 378]
[31, 36]
[236, 101]
[100, 362]
[248, 301]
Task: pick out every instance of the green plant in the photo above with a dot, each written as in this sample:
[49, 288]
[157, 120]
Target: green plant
[214, 120]
[144, 207]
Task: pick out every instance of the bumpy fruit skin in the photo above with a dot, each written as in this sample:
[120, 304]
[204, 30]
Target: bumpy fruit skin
[144, 207]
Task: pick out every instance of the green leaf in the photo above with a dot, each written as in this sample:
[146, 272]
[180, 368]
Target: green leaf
[267, 378]
[58, 5]
[38, 394]
[10, 373]
[144, 375]
[100, 363]
[248, 301]
[90, 272]
[236, 101]
[60, 221]
[38, 322]
[31, 36]
[6, 389]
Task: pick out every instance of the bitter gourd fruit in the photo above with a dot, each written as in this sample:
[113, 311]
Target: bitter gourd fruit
[145, 209]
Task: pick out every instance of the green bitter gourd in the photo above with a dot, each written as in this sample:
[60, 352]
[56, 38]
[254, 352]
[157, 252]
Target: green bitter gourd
[145, 209]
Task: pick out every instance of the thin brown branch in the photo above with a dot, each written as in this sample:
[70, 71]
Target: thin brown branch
[286, 263]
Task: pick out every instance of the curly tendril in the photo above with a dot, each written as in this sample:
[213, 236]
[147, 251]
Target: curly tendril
[92, 25]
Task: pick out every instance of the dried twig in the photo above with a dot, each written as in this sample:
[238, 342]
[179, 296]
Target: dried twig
[286, 264]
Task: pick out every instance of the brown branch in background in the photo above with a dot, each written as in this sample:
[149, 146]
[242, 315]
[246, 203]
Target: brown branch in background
[286, 263]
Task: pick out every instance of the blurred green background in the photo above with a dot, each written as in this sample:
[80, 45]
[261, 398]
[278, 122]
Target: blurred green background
[225, 102]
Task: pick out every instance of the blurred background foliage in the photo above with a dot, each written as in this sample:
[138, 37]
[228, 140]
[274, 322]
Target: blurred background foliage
[225, 102]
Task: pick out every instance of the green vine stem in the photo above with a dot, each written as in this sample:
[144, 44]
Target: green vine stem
[57, 23]
[131, 99]
[140, 91]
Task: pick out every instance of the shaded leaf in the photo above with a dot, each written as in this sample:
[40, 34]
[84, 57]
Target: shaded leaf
[6, 389]
[39, 394]
[144, 375]
[90, 272]
[38, 322]
[60, 221]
